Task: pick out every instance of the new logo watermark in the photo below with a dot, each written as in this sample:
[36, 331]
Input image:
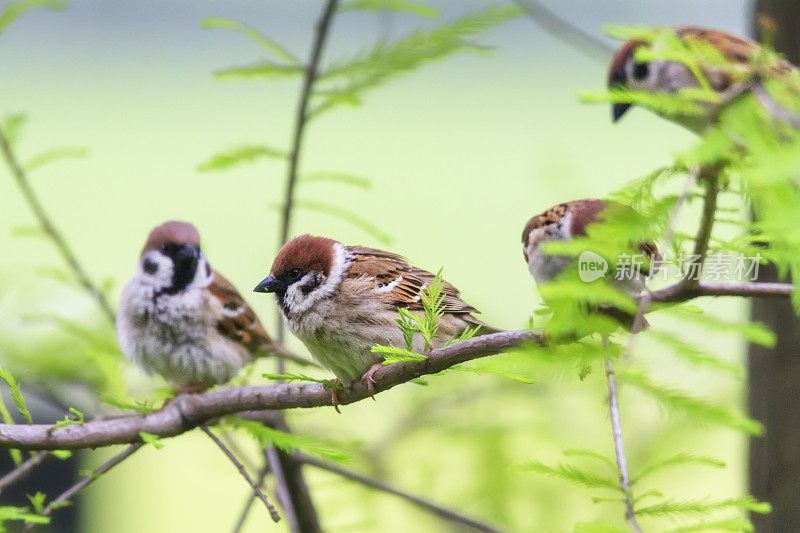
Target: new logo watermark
[716, 267]
[591, 266]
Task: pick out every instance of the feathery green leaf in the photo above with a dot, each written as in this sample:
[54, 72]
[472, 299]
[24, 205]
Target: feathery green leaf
[238, 155]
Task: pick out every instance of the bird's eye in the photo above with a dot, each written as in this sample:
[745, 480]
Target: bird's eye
[150, 267]
[640, 71]
[295, 273]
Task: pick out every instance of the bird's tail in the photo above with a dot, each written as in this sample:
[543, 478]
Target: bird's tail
[483, 327]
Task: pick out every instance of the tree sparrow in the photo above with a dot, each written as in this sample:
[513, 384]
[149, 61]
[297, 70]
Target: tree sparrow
[180, 319]
[343, 300]
[563, 222]
[743, 62]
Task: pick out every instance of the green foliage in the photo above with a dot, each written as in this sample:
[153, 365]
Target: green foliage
[53, 155]
[694, 408]
[348, 216]
[254, 35]
[702, 507]
[729, 524]
[239, 155]
[347, 82]
[573, 474]
[37, 500]
[149, 438]
[8, 514]
[426, 324]
[288, 377]
[678, 460]
[16, 394]
[337, 177]
[598, 527]
[290, 443]
[12, 125]
[389, 5]
[78, 418]
[12, 11]
[508, 375]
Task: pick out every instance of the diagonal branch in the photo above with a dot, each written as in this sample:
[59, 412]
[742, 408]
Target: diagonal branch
[262, 475]
[187, 411]
[442, 512]
[586, 43]
[23, 470]
[273, 513]
[619, 448]
[47, 225]
[65, 497]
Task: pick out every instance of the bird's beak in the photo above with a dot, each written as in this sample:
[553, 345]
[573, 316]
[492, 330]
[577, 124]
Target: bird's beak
[619, 109]
[270, 284]
[187, 252]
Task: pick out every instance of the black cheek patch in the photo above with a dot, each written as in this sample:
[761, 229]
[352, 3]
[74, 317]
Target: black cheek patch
[310, 286]
[208, 270]
[150, 267]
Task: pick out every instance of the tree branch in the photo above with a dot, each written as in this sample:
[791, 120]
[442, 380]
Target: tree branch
[187, 411]
[680, 292]
[47, 225]
[619, 448]
[584, 42]
[302, 113]
[68, 494]
[273, 513]
[262, 475]
[710, 179]
[23, 470]
[442, 512]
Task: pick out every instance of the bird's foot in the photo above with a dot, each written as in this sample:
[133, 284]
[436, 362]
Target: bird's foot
[336, 385]
[370, 379]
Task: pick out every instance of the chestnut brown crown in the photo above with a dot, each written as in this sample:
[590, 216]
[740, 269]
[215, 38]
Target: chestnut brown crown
[307, 253]
[175, 232]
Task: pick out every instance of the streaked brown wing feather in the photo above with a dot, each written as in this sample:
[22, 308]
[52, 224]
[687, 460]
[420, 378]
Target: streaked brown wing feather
[240, 324]
[734, 48]
[388, 268]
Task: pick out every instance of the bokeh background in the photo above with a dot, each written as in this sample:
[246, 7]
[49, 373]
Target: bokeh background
[460, 153]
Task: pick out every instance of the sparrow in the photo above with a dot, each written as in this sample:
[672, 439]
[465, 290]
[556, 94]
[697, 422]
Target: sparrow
[182, 320]
[740, 61]
[340, 301]
[568, 220]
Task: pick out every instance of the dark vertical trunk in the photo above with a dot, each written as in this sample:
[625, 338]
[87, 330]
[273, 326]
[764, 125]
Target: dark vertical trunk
[303, 516]
[775, 373]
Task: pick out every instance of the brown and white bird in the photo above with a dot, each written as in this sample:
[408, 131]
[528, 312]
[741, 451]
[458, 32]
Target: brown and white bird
[340, 301]
[180, 319]
[742, 60]
[568, 220]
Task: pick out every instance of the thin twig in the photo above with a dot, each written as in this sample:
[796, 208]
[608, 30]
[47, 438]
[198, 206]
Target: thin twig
[582, 41]
[442, 512]
[285, 496]
[47, 225]
[262, 475]
[669, 233]
[710, 180]
[65, 497]
[24, 469]
[619, 448]
[273, 513]
[310, 77]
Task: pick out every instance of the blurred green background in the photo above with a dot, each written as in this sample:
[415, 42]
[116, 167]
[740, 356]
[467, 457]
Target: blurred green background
[460, 153]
